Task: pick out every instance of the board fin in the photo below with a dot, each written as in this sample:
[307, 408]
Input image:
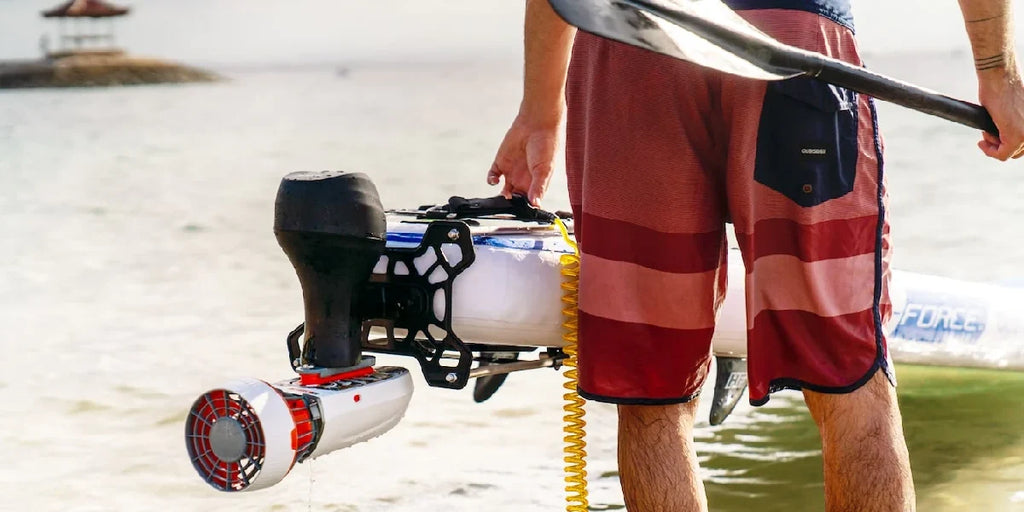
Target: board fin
[730, 383]
[487, 385]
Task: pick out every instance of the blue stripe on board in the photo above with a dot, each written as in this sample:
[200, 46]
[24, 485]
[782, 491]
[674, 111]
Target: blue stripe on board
[504, 242]
[838, 11]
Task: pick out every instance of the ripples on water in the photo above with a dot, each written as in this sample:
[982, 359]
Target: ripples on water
[140, 269]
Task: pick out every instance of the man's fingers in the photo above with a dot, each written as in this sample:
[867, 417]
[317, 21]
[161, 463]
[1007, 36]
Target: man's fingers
[991, 139]
[494, 175]
[537, 190]
[539, 185]
[1000, 147]
[541, 172]
[990, 150]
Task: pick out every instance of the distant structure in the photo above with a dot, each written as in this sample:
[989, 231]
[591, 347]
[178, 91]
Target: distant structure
[87, 54]
[86, 32]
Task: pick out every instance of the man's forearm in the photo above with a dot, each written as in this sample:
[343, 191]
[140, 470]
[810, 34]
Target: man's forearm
[547, 45]
[990, 28]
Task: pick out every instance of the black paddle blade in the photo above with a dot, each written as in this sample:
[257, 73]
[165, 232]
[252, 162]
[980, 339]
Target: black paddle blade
[710, 34]
[683, 29]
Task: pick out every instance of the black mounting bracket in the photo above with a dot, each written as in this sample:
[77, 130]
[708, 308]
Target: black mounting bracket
[411, 301]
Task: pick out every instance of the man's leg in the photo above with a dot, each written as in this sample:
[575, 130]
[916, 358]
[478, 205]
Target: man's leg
[650, 220]
[866, 463]
[657, 460]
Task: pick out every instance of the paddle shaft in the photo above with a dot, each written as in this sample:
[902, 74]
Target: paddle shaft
[894, 91]
[772, 54]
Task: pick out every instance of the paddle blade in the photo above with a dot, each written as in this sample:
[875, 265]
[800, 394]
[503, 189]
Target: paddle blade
[708, 33]
[644, 24]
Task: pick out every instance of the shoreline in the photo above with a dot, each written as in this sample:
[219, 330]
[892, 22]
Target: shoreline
[97, 69]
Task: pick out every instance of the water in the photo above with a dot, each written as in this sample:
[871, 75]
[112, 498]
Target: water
[139, 269]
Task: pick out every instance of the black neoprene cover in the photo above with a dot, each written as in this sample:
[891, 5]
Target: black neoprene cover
[330, 202]
[333, 229]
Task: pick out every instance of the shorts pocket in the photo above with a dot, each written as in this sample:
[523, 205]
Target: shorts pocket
[807, 140]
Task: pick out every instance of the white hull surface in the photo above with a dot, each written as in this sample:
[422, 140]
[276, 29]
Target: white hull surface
[511, 295]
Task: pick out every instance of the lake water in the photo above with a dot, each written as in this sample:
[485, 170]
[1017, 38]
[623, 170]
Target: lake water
[139, 269]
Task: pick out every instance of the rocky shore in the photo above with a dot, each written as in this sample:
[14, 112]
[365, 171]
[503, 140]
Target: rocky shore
[88, 69]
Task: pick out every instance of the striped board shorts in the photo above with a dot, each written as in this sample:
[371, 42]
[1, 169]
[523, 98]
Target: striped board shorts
[661, 154]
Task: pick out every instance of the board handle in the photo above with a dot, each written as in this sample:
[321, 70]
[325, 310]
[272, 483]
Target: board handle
[462, 208]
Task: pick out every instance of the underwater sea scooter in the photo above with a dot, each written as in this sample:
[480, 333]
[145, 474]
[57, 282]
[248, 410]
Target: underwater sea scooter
[473, 290]
[247, 434]
[399, 282]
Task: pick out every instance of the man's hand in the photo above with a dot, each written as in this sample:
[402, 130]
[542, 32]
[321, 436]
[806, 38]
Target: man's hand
[990, 29]
[526, 159]
[1003, 97]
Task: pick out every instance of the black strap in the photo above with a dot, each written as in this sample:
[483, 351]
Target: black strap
[462, 208]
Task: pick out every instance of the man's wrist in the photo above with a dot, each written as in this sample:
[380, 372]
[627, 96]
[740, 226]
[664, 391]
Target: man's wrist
[999, 68]
[542, 114]
[997, 63]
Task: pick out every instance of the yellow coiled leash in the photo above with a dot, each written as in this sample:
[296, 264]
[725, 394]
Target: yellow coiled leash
[575, 444]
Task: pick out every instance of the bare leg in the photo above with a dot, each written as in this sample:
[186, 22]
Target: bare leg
[657, 461]
[867, 468]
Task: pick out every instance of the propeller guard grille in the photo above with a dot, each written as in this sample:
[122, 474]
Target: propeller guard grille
[227, 457]
[239, 437]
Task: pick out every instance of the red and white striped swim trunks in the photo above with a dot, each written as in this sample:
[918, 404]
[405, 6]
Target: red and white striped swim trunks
[660, 155]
